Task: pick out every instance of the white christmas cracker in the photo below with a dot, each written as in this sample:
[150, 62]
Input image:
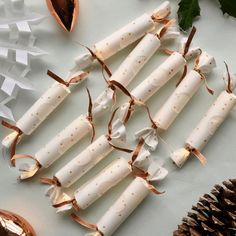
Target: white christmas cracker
[97, 186]
[133, 64]
[206, 128]
[178, 100]
[41, 109]
[129, 200]
[124, 37]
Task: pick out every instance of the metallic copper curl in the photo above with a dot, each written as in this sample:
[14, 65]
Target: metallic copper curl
[10, 222]
[203, 77]
[71, 81]
[197, 153]
[161, 20]
[15, 141]
[228, 89]
[138, 171]
[109, 134]
[186, 49]
[54, 181]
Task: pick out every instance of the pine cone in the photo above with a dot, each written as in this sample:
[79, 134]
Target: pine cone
[214, 214]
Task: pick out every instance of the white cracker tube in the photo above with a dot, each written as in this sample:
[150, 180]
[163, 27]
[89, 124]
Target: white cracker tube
[124, 37]
[212, 120]
[177, 101]
[85, 161]
[39, 111]
[134, 194]
[159, 77]
[137, 59]
[128, 70]
[63, 141]
[206, 127]
[100, 184]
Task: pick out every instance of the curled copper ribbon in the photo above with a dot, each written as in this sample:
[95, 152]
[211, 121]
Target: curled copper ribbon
[54, 181]
[164, 29]
[189, 41]
[197, 154]
[133, 101]
[23, 156]
[185, 71]
[228, 89]
[48, 181]
[72, 201]
[139, 172]
[15, 141]
[109, 138]
[90, 115]
[73, 80]
[85, 223]
[201, 74]
[101, 62]
[186, 49]
[161, 20]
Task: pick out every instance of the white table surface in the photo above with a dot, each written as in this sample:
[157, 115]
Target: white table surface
[157, 215]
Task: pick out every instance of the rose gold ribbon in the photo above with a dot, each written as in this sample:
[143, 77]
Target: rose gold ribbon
[23, 156]
[189, 41]
[186, 49]
[201, 74]
[228, 89]
[90, 115]
[161, 20]
[15, 141]
[133, 101]
[185, 71]
[85, 223]
[139, 172]
[109, 138]
[164, 29]
[73, 80]
[102, 63]
[197, 154]
[48, 181]
[68, 202]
